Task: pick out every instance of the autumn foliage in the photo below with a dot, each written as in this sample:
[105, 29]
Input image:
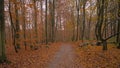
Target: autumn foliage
[33, 32]
[94, 57]
[30, 59]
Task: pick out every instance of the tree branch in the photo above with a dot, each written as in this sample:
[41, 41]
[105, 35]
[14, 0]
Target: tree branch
[112, 36]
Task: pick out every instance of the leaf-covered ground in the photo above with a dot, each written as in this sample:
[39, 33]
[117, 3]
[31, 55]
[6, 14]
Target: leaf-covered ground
[94, 57]
[62, 55]
[30, 58]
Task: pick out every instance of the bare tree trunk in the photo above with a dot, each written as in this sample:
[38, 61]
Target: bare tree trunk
[118, 27]
[46, 22]
[35, 20]
[53, 21]
[78, 17]
[83, 28]
[41, 6]
[13, 29]
[89, 22]
[17, 24]
[24, 25]
[104, 42]
[100, 23]
[2, 32]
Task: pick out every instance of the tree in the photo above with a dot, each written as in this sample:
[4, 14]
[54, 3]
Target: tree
[13, 29]
[99, 24]
[78, 18]
[83, 27]
[2, 32]
[90, 19]
[35, 24]
[17, 24]
[53, 20]
[118, 27]
[46, 22]
[24, 25]
[104, 23]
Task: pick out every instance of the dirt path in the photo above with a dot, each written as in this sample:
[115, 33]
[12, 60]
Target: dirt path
[63, 58]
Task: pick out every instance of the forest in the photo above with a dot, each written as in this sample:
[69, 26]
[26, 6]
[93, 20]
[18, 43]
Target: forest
[59, 33]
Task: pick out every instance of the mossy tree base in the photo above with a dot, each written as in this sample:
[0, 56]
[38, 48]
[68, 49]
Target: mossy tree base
[3, 59]
[118, 46]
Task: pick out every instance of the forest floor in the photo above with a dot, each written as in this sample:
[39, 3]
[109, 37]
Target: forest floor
[94, 57]
[64, 58]
[65, 55]
[30, 58]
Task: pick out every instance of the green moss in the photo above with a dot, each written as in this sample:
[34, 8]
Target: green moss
[2, 59]
[113, 39]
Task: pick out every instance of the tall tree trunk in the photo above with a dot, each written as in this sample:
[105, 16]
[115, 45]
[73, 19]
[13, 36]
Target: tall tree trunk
[98, 19]
[13, 29]
[104, 42]
[35, 20]
[89, 22]
[50, 20]
[17, 24]
[2, 32]
[100, 23]
[83, 28]
[105, 21]
[46, 22]
[118, 27]
[78, 17]
[41, 7]
[24, 25]
[53, 20]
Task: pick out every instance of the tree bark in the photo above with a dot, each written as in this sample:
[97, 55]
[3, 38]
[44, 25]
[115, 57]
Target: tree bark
[2, 32]
[99, 25]
[35, 21]
[78, 18]
[83, 29]
[118, 27]
[46, 22]
[13, 29]
[17, 24]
